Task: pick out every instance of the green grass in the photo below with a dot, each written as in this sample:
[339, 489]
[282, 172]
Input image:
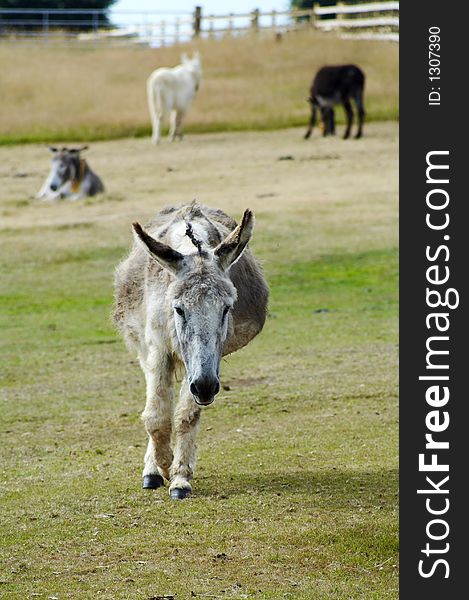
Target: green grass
[47, 135]
[295, 495]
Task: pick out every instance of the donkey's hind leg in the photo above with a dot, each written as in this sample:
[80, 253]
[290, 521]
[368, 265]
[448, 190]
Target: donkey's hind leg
[156, 129]
[332, 121]
[186, 420]
[179, 119]
[154, 109]
[157, 418]
[173, 125]
[312, 120]
[328, 120]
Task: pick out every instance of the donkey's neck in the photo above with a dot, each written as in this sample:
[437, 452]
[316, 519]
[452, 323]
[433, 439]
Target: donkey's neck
[80, 169]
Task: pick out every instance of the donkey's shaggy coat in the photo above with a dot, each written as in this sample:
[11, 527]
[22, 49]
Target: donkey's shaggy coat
[189, 293]
[337, 85]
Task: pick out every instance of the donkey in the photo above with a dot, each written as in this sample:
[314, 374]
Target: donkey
[70, 176]
[170, 92]
[337, 85]
[189, 292]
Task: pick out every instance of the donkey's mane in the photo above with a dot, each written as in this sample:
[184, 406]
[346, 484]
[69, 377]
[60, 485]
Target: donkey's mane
[197, 243]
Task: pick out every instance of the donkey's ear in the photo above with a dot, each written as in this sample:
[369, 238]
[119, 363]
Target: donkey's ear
[167, 257]
[228, 251]
[77, 150]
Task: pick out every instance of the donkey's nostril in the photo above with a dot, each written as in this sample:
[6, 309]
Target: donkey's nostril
[53, 187]
[205, 389]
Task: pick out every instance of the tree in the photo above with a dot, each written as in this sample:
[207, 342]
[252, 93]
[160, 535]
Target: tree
[75, 21]
[308, 4]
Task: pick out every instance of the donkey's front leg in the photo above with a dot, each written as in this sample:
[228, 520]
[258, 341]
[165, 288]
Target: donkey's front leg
[186, 420]
[157, 418]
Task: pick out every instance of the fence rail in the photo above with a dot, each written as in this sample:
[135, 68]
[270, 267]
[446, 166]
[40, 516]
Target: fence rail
[340, 9]
[352, 23]
[369, 19]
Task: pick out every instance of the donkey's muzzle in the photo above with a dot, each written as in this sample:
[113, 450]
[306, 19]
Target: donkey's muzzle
[204, 390]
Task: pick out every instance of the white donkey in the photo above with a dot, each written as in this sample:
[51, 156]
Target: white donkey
[189, 293]
[170, 92]
[70, 176]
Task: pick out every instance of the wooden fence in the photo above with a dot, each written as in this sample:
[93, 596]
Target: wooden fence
[367, 19]
[338, 17]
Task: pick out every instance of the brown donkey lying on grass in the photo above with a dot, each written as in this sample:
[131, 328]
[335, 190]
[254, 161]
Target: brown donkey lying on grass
[189, 292]
[70, 176]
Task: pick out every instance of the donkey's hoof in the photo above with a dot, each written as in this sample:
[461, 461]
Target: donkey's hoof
[152, 482]
[179, 493]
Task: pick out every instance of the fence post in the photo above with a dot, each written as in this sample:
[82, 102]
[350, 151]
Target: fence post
[312, 18]
[45, 25]
[210, 27]
[197, 20]
[176, 30]
[162, 34]
[274, 20]
[340, 16]
[255, 20]
[230, 24]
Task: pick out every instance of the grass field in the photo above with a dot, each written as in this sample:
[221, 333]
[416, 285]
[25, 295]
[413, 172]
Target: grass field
[56, 93]
[295, 495]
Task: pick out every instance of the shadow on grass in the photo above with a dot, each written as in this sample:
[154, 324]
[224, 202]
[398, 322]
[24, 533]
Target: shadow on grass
[338, 487]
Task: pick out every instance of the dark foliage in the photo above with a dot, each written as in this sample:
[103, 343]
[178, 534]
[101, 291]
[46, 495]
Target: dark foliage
[306, 4]
[40, 18]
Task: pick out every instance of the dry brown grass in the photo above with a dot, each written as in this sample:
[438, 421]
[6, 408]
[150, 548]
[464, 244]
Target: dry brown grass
[60, 92]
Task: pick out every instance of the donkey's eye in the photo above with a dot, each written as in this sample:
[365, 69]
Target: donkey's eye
[179, 311]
